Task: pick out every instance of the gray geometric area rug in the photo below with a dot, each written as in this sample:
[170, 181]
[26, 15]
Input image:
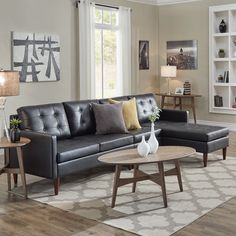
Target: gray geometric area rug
[142, 212]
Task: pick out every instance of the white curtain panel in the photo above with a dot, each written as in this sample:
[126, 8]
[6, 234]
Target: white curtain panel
[86, 10]
[124, 52]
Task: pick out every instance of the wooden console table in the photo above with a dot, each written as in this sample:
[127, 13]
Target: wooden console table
[177, 101]
[6, 145]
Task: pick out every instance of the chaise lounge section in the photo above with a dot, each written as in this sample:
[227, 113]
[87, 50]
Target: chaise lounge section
[63, 139]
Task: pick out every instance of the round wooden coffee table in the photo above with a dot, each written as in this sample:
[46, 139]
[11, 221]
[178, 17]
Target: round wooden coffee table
[131, 157]
[6, 145]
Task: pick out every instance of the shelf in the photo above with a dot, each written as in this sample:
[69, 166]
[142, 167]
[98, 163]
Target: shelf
[233, 33]
[222, 84]
[221, 34]
[222, 108]
[221, 59]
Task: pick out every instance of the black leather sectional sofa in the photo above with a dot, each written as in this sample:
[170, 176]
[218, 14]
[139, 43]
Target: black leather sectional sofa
[63, 138]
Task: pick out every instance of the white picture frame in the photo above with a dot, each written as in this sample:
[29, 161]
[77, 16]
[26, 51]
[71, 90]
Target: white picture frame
[179, 91]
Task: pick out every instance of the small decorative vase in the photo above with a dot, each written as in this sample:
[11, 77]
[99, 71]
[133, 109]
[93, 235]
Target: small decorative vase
[15, 135]
[222, 26]
[152, 142]
[221, 53]
[143, 148]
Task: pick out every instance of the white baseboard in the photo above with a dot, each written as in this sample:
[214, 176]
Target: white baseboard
[230, 126]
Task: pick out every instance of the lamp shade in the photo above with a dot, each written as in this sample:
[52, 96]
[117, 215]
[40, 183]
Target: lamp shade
[9, 83]
[168, 71]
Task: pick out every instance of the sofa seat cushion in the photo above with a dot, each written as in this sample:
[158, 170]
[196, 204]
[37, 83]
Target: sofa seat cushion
[195, 132]
[81, 146]
[111, 141]
[70, 149]
[144, 131]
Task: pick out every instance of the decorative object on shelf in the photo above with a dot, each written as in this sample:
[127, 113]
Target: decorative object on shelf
[168, 72]
[187, 87]
[143, 148]
[222, 26]
[9, 86]
[218, 101]
[152, 141]
[226, 76]
[179, 91]
[221, 53]
[234, 104]
[234, 42]
[36, 56]
[15, 131]
[143, 55]
[182, 54]
[220, 79]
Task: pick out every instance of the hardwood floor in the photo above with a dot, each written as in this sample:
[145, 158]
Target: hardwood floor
[27, 217]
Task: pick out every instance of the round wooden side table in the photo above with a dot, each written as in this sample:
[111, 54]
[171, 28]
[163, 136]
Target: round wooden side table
[6, 145]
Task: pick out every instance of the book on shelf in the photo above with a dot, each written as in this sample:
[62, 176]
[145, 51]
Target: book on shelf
[226, 77]
[218, 101]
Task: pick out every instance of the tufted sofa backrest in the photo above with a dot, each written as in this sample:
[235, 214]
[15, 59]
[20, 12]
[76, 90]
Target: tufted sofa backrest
[145, 104]
[49, 118]
[75, 118]
[80, 116]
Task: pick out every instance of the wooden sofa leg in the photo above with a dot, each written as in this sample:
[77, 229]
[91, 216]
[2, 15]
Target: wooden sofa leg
[205, 158]
[224, 150]
[56, 185]
[15, 178]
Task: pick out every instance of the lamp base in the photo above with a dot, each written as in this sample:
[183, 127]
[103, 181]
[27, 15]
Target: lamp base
[4, 130]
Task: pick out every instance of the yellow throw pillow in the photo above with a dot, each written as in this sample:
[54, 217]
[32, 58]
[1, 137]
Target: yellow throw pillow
[129, 113]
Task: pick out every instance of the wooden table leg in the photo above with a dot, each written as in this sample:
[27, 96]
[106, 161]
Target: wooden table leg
[177, 166]
[193, 109]
[162, 101]
[22, 171]
[115, 184]
[162, 182]
[175, 102]
[135, 175]
[6, 164]
[180, 103]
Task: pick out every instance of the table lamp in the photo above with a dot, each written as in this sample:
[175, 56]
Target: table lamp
[9, 86]
[168, 72]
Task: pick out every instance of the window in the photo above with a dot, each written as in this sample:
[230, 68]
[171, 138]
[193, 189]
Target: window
[106, 40]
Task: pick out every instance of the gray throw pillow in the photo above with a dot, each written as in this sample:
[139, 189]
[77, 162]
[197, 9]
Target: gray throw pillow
[109, 118]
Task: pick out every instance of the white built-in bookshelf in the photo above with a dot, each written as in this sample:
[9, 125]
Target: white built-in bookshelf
[222, 89]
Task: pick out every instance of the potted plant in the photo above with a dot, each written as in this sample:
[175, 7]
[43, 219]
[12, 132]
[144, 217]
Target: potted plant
[153, 143]
[15, 131]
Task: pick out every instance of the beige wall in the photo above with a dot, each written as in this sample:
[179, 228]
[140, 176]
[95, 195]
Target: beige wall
[183, 22]
[44, 16]
[144, 27]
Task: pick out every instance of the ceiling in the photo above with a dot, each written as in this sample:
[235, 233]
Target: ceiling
[163, 2]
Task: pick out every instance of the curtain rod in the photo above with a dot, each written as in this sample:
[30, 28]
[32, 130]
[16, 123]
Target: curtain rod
[100, 5]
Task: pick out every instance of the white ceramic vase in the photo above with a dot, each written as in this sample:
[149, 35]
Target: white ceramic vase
[143, 148]
[153, 142]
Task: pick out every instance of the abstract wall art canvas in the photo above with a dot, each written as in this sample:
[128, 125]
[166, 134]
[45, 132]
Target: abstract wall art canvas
[36, 56]
[182, 54]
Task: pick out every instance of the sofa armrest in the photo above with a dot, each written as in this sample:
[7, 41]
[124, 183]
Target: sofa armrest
[39, 155]
[174, 115]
